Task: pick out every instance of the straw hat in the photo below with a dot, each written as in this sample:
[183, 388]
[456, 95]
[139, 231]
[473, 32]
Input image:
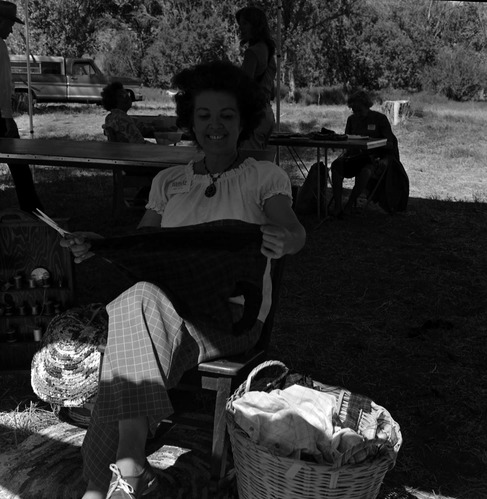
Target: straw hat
[8, 10]
[65, 369]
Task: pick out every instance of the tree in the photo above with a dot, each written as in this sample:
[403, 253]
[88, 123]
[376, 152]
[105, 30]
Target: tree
[371, 43]
[460, 73]
[64, 27]
[188, 34]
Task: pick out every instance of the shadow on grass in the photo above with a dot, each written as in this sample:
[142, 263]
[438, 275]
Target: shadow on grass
[48, 464]
[394, 307]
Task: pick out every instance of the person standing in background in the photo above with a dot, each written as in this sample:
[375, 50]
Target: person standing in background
[22, 177]
[259, 63]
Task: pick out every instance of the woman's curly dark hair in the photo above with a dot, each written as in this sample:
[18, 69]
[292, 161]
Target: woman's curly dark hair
[219, 76]
[109, 95]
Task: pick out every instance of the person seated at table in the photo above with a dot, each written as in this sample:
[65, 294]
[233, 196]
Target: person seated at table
[149, 345]
[364, 165]
[119, 126]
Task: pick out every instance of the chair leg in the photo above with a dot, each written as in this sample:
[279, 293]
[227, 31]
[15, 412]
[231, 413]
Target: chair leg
[381, 178]
[220, 437]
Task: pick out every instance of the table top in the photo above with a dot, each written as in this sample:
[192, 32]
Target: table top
[303, 141]
[93, 154]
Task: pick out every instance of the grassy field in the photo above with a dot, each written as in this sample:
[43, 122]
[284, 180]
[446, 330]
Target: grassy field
[443, 146]
[390, 306]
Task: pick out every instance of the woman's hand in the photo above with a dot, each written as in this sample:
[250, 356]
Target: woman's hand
[274, 241]
[80, 245]
[284, 234]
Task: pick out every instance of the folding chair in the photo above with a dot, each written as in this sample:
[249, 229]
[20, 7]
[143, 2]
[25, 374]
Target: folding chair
[391, 189]
[376, 183]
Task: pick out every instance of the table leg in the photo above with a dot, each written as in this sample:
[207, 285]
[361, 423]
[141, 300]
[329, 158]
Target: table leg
[318, 187]
[299, 162]
[325, 200]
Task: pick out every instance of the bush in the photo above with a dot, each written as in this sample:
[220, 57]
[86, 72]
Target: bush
[123, 59]
[333, 95]
[283, 91]
[319, 95]
[459, 74]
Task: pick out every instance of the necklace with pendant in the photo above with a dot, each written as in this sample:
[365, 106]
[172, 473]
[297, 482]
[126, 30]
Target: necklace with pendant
[210, 191]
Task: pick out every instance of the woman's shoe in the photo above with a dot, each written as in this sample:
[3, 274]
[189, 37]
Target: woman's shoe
[131, 487]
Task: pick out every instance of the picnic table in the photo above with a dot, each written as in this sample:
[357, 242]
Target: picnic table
[101, 155]
[92, 154]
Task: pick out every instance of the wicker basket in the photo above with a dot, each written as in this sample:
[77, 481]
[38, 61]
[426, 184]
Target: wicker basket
[262, 475]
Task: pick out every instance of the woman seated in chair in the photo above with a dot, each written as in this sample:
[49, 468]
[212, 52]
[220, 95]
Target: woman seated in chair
[362, 166]
[119, 126]
[149, 345]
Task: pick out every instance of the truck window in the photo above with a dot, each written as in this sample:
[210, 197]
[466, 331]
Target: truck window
[51, 68]
[21, 67]
[83, 69]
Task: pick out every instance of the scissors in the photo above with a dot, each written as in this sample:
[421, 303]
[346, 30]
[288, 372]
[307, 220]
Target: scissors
[65, 234]
[49, 221]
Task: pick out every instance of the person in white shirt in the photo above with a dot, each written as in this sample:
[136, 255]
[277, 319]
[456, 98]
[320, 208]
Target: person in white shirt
[22, 177]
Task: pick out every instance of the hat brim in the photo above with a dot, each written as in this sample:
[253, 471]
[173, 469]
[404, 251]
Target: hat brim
[15, 19]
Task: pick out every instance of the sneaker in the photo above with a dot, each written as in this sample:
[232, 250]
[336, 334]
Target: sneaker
[131, 487]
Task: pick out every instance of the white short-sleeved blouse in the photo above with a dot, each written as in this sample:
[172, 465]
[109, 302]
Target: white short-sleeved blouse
[240, 195]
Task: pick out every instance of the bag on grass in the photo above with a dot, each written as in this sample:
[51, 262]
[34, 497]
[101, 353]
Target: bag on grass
[307, 199]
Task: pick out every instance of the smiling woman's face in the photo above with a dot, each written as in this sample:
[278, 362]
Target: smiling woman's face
[216, 122]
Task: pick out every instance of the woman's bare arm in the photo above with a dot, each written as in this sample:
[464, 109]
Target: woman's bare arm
[284, 233]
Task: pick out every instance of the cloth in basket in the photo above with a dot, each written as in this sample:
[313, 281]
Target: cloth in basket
[298, 422]
[65, 368]
[262, 474]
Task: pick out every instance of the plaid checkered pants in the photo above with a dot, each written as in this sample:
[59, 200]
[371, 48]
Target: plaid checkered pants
[149, 348]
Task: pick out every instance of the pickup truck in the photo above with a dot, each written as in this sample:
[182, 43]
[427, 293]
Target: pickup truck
[63, 79]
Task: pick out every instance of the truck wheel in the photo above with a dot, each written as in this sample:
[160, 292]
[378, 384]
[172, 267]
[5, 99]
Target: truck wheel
[21, 102]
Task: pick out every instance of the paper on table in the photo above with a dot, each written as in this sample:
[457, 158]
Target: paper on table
[358, 136]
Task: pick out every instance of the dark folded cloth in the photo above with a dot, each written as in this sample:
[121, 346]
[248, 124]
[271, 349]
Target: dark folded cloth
[229, 235]
[327, 131]
[199, 267]
[326, 134]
